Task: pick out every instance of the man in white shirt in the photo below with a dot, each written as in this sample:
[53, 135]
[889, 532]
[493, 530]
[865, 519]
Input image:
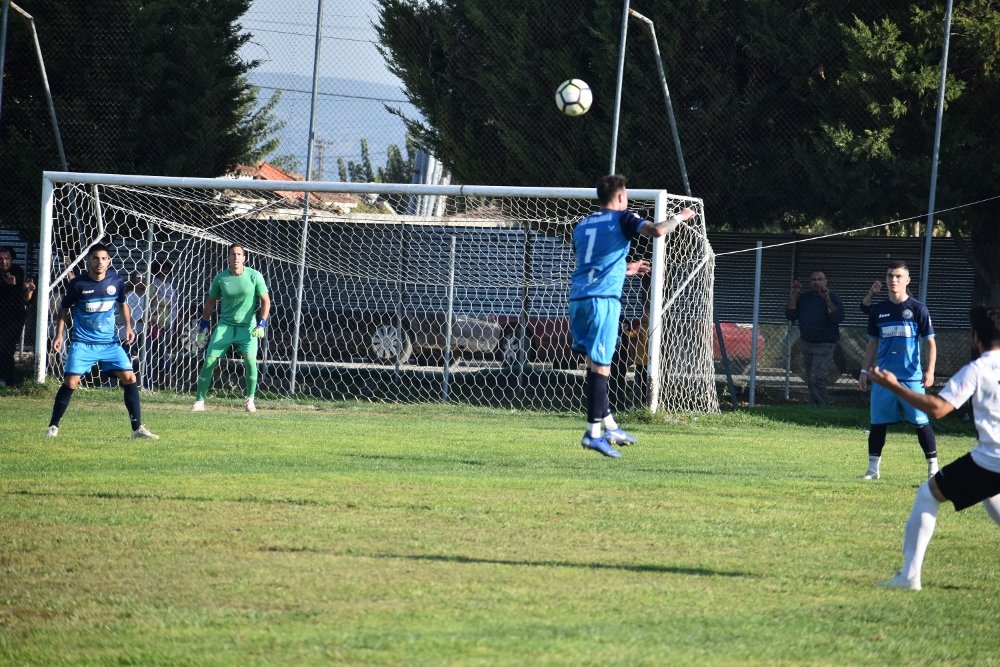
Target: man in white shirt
[973, 478]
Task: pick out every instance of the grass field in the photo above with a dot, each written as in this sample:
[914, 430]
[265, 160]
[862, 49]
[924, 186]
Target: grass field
[428, 535]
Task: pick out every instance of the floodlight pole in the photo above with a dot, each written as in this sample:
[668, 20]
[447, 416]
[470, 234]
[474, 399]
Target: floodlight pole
[3, 47]
[925, 264]
[618, 88]
[666, 95]
[45, 77]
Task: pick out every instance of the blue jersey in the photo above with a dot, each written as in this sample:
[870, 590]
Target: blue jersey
[899, 328]
[92, 304]
[602, 241]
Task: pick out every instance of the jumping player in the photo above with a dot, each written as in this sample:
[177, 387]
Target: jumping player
[91, 299]
[972, 478]
[602, 241]
[896, 327]
[239, 287]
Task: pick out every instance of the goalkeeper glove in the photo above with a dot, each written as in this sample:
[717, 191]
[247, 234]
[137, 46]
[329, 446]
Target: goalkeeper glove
[260, 330]
[202, 337]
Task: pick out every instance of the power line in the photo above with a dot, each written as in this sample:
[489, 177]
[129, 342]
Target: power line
[862, 229]
[337, 95]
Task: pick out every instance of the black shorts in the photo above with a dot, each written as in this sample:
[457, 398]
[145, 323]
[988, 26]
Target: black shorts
[965, 483]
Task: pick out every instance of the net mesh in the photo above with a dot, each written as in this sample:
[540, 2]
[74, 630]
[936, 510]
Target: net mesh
[378, 296]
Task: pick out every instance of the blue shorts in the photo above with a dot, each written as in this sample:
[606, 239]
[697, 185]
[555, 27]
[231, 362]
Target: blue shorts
[83, 356]
[886, 406]
[594, 325]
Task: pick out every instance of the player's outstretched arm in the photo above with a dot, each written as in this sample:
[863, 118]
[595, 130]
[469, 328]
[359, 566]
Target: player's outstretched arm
[664, 227]
[935, 406]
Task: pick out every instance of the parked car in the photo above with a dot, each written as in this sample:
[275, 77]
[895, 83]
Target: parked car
[548, 339]
[738, 341]
[346, 335]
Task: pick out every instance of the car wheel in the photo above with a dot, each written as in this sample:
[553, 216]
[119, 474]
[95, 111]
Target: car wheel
[514, 349]
[389, 343]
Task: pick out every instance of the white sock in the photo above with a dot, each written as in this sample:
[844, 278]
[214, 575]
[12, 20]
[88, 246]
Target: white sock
[992, 507]
[594, 429]
[919, 529]
[932, 466]
[873, 463]
[610, 423]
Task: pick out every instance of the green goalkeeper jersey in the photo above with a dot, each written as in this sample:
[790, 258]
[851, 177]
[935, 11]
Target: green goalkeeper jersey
[238, 295]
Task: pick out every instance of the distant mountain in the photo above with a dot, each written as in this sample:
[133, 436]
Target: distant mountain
[347, 111]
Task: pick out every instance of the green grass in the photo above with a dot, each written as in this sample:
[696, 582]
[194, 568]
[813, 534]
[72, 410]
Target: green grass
[428, 535]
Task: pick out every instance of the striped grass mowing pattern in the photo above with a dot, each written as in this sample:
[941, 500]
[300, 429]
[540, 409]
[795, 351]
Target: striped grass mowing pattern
[370, 534]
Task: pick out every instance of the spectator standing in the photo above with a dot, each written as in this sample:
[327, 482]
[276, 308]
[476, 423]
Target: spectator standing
[819, 313]
[16, 293]
[161, 321]
[866, 300]
[135, 297]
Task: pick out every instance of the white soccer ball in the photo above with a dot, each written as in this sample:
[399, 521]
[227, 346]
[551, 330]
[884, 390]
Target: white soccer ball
[574, 97]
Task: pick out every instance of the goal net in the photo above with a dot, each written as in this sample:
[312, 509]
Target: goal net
[380, 292]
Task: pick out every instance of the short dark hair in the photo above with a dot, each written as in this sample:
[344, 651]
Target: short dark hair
[608, 186]
[97, 247]
[9, 250]
[898, 264]
[985, 322]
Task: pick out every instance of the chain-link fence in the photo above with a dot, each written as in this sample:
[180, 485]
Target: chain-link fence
[739, 96]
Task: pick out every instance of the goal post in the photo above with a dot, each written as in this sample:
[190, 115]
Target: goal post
[387, 292]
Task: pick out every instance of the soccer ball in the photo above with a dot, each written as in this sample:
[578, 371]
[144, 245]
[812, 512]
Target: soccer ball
[574, 97]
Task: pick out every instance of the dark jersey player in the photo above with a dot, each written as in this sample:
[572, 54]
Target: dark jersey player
[896, 329]
[601, 242]
[92, 299]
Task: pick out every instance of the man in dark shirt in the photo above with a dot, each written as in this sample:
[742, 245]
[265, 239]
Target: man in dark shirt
[15, 293]
[819, 313]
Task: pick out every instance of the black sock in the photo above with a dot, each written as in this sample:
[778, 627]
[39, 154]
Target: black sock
[927, 440]
[597, 399]
[59, 407]
[132, 404]
[876, 439]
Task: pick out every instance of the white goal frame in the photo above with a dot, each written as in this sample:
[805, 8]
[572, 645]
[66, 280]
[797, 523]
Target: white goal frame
[661, 296]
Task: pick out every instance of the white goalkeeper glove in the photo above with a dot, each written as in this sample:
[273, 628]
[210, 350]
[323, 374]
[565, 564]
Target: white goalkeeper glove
[260, 330]
[202, 337]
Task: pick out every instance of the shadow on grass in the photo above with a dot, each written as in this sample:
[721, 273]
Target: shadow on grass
[663, 569]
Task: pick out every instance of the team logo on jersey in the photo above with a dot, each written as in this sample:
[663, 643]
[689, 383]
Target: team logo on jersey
[907, 314]
[112, 290]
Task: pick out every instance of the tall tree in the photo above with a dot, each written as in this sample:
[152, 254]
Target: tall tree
[792, 115]
[871, 99]
[140, 86]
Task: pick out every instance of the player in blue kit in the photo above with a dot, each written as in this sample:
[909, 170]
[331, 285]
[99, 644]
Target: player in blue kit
[602, 241]
[896, 328]
[92, 299]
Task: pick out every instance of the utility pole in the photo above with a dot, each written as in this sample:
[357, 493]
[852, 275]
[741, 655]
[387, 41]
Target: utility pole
[320, 146]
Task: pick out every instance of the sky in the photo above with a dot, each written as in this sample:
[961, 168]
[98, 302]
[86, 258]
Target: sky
[284, 39]
[354, 86]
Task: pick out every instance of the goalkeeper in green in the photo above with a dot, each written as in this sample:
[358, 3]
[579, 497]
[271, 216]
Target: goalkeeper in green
[238, 288]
